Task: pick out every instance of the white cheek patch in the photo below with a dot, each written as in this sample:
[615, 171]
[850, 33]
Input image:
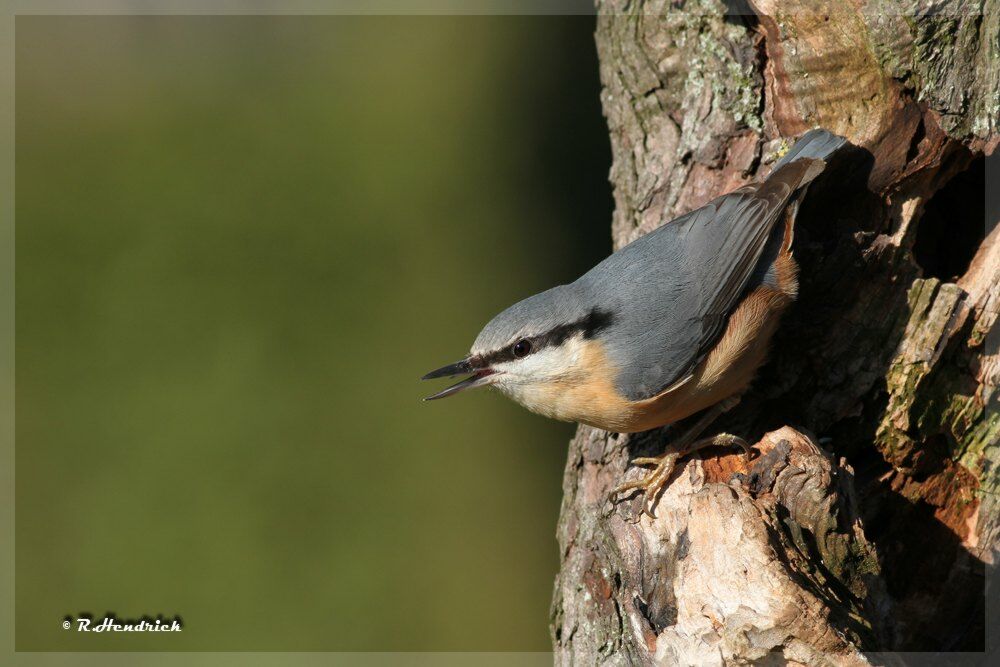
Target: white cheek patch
[547, 364]
[542, 364]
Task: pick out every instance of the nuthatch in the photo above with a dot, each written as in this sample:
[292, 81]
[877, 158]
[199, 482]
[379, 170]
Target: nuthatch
[676, 322]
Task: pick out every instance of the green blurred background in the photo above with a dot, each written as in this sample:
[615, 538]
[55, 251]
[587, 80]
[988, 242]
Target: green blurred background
[240, 242]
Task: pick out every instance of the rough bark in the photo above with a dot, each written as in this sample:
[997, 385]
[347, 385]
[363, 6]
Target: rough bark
[868, 517]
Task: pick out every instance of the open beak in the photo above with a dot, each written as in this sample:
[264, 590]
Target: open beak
[479, 377]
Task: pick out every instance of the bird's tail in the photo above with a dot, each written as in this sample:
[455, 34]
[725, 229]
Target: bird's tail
[801, 164]
[819, 144]
[795, 171]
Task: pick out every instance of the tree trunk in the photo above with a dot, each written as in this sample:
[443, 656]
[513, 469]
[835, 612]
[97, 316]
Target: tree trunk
[868, 517]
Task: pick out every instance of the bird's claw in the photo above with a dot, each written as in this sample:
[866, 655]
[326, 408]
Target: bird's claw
[653, 483]
[647, 461]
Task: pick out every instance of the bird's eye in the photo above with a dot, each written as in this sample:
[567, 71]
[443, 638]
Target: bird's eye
[521, 349]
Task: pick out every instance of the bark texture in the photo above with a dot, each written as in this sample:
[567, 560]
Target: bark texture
[868, 516]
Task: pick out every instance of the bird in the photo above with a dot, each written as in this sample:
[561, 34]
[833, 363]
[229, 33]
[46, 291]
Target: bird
[675, 323]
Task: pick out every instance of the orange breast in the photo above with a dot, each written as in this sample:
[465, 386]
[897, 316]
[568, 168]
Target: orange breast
[726, 371]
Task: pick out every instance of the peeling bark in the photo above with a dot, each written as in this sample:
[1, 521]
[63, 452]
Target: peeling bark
[872, 530]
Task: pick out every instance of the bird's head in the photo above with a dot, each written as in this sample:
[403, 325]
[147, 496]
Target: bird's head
[534, 351]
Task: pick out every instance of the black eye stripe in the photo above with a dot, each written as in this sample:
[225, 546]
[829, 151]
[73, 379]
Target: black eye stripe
[589, 326]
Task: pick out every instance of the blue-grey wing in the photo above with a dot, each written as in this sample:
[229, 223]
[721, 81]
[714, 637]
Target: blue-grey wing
[671, 291]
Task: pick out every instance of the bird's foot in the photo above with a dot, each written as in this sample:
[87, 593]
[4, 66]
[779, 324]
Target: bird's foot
[652, 483]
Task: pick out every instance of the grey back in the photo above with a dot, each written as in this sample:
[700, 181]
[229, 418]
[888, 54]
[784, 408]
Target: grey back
[671, 290]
